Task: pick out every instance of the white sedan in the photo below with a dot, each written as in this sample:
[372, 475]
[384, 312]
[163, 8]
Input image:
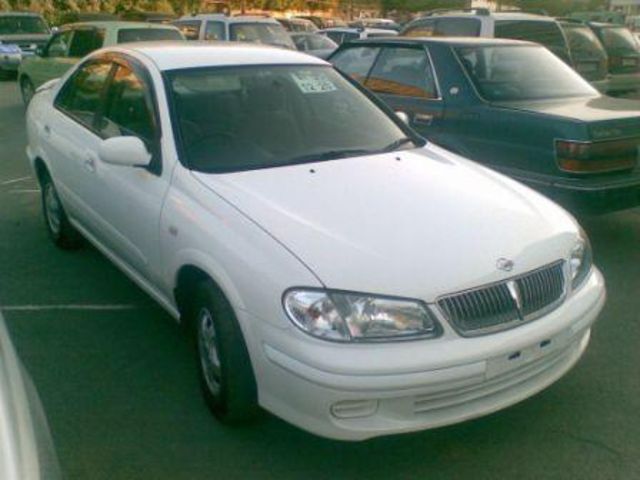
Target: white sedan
[337, 270]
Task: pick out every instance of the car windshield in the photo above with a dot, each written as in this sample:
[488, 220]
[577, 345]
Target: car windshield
[127, 35]
[244, 118]
[269, 33]
[515, 72]
[584, 43]
[619, 38]
[22, 24]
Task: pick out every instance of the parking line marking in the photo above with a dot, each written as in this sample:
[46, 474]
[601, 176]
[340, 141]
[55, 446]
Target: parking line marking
[35, 308]
[15, 180]
[25, 190]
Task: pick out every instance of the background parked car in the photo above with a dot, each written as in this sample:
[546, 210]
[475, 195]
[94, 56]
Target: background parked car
[324, 22]
[624, 57]
[345, 34]
[242, 28]
[481, 22]
[74, 41]
[511, 105]
[588, 56]
[314, 44]
[382, 23]
[297, 25]
[21, 34]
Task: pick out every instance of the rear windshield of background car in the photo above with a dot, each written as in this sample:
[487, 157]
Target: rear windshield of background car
[267, 33]
[22, 24]
[545, 33]
[128, 35]
[619, 39]
[521, 72]
[584, 43]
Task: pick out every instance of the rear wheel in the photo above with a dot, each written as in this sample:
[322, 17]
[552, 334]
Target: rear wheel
[27, 89]
[60, 229]
[226, 375]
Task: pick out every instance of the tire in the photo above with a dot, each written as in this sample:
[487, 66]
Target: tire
[58, 226]
[27, 89]
[226, 375]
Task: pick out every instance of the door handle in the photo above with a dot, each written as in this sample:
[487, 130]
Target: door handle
[425, 118]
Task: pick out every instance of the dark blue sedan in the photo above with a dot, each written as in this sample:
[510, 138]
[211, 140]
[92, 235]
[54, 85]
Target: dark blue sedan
[511, 105]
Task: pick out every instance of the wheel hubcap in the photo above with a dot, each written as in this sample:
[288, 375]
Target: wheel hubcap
[208, 349]
[53, 209]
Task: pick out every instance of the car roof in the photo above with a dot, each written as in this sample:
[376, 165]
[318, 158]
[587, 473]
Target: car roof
[180, 55]
[354, 30]
[495, 15]
[458, 41]
[228, 19]
[19, 14]
[117, 25]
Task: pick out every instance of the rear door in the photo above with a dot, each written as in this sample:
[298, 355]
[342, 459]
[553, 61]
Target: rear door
[404, 78]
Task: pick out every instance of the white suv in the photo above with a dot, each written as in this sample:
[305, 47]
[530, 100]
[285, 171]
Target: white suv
[484, 23]
[336, 269]
[241, 28]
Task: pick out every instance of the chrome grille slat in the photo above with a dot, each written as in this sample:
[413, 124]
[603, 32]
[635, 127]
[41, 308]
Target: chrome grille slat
[492, 308]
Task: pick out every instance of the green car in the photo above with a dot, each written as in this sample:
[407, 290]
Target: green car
[74, 41]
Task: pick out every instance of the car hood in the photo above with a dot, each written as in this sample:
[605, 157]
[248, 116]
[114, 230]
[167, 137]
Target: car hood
[37, 38]
[416, 223]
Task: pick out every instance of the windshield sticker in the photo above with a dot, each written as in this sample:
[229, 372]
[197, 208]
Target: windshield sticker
[312, 82]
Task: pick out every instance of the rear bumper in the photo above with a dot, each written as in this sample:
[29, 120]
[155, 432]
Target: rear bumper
[425, 385]
[583, 195]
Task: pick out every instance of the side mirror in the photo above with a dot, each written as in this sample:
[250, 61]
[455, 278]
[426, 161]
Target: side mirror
[404, 117]
[125, 151]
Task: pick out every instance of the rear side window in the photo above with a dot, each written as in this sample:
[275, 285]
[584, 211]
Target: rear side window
[214, 31]
[356, 62]
[457, 27]
[81, 97]
[85, 41]
[548, 34]
[189, 28]
[128, 109]
[403, 71]
[128, 35]
[59, 45]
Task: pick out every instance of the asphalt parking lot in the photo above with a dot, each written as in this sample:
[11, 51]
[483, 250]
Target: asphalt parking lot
[118, 380]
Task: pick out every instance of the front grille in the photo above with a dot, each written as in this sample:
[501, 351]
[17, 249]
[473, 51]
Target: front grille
[506, 304]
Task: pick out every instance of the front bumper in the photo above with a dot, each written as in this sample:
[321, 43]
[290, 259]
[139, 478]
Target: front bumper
[355, 392]
[10, 61]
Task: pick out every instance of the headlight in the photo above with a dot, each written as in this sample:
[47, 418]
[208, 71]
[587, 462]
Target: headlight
[9, 48]
[580, 261]
[356, 317]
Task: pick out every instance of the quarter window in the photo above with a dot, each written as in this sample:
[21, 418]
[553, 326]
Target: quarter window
[403, 71]
[127, 112]
[82, 95]
[190, 29]
[356, 62]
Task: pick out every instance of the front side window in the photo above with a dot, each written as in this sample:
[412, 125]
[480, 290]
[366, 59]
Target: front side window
[242, 118]
[267, 33]
[189, 28]
[403, 71]
[85, 41]
[514, 72]
[81, 97]
[356, 62]
[21, 24]
[59, 45]
[130, 35]
[214, 31]
[422, 28]
[128, 107]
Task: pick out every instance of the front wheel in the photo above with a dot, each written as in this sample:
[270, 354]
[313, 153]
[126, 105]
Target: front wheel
[226, 375]
[58, 226]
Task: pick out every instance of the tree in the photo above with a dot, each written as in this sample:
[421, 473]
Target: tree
[421, 5]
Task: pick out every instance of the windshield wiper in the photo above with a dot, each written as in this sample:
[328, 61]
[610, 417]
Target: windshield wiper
[397, 144]
[328, 155]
